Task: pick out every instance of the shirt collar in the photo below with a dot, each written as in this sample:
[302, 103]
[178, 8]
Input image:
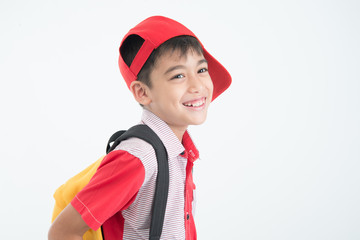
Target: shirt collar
[172, 144]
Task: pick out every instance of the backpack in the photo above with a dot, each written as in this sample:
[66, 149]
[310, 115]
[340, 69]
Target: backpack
[66, 192]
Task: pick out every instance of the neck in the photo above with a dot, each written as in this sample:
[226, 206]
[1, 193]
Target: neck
[179, 132]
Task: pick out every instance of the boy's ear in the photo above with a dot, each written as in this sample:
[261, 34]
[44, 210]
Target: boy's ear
[140, 92]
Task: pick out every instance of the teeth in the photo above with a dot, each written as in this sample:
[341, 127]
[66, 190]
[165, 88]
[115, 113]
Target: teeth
[196, 104]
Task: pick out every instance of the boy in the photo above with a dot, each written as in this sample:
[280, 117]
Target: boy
[174, 79]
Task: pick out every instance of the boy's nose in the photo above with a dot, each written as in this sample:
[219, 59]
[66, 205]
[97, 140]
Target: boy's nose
[195, 84]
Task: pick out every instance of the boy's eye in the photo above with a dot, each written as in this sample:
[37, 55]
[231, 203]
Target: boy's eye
[203, 70]
[178, 76]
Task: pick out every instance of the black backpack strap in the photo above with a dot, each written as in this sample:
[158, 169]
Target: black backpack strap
[111, 142]
[162, 181]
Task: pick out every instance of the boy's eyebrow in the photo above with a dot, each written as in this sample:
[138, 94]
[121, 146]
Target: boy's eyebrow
[182, 66]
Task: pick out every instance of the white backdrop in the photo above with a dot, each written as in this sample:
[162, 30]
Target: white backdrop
[279, 152]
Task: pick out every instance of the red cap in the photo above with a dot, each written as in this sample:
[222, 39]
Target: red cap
[155, 31]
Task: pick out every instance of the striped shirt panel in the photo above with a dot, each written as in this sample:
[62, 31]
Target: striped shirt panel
[137, 215]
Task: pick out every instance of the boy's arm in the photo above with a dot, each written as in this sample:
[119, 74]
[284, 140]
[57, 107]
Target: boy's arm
[68, 225]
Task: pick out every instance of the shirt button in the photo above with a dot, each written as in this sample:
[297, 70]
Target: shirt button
[187, 216]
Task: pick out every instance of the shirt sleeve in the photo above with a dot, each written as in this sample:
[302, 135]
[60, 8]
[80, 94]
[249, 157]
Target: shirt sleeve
[113, 188]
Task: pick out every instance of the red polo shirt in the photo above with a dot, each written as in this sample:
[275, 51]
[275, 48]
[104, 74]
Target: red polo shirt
[120, 194]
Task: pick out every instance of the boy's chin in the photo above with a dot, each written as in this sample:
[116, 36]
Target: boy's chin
[198, 122]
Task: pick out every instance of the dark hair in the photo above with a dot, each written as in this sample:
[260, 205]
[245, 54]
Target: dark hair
[132, 44]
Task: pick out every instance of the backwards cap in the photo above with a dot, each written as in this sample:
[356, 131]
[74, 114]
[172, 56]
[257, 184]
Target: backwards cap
[155, 31]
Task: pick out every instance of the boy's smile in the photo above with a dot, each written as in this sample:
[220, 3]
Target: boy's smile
[181, 90]
[196, 104]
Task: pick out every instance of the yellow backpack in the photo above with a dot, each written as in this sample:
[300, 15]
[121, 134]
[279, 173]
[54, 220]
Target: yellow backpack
[66, 192]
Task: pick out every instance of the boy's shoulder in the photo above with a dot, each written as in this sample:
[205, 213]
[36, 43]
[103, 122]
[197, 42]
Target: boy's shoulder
[145, 152]
[138, 148]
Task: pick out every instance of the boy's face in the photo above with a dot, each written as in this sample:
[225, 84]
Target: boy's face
[181, 89]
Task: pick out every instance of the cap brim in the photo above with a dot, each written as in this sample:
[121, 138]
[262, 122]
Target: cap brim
[219, 75]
